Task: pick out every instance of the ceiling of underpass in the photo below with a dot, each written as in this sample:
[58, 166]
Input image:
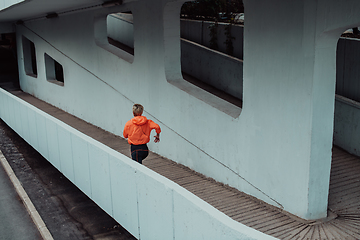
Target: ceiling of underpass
[39, 8]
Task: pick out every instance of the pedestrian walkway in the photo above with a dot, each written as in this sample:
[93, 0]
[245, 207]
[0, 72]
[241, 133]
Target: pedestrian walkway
[15, 221]
[342, 224]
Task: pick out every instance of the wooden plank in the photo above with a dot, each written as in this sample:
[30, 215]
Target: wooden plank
[244, 213]
[274, 222]
[316, 232]
[227, 200]
[352, 223]
[306, 233]
[332, 232]
[233, 204]
[255, 215]
[344, 162]
[352, 179]
[353, 231]
[189, 183]
[349, 204]
[284, 230]
[175, 174]
[341, 197]
[294, 233]
[221, 199]
[220, 195]
[322, 233]
[261, 217]
[154, 161]
[346, 174]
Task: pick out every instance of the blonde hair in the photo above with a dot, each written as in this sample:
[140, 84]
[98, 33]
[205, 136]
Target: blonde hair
[138, 109]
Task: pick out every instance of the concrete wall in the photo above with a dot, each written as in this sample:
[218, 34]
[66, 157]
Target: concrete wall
[223, 71]
[276, 148]
[347, 106]
[346, 125]
[347, 68]
[212, 67]
[148, 205]
[120, 28]
[289, 90]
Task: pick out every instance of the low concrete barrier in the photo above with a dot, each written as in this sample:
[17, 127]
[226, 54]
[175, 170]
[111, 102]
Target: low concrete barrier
[147, 204]
[347, 124]
[212, 67]
[121, 29]
[199, 32]
[347, 68]
[347, 105]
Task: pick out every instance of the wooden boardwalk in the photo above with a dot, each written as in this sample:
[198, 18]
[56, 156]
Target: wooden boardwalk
[344, 198]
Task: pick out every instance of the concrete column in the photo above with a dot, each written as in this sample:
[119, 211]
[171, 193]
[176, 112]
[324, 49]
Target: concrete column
[289, 89]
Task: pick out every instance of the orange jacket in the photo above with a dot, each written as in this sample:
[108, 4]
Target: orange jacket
[137, 130]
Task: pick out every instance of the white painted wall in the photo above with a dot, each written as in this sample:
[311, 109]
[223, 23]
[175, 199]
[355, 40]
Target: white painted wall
[278, 149]
[8, 3]
[148, 205]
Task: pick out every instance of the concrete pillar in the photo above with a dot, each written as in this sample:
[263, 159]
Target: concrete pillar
[289, 89]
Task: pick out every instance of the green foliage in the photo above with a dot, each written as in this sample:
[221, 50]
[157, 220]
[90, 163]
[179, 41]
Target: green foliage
[213, 36]
[216, 11]
[229, 40]
[220, 10]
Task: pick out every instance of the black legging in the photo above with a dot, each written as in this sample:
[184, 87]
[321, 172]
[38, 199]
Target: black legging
[139, 152]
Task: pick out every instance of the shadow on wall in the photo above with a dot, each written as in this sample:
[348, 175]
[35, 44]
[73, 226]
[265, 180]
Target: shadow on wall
[8, 61]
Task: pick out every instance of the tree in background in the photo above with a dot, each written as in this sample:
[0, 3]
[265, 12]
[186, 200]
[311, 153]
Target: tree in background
[212, 10]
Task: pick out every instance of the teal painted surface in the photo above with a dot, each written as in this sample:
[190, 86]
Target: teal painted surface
[145, 203]
[65, 152]
[346, 127]
[124, 192]
[53, 144]
[8, 3]
[81, 164]
[277, 148]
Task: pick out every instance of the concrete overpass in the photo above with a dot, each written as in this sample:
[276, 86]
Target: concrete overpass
[276, 147]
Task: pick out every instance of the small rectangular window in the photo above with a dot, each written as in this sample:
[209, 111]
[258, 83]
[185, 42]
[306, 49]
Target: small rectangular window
[115, 33]
[29, 57]
[54, 71]
[120, 31]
